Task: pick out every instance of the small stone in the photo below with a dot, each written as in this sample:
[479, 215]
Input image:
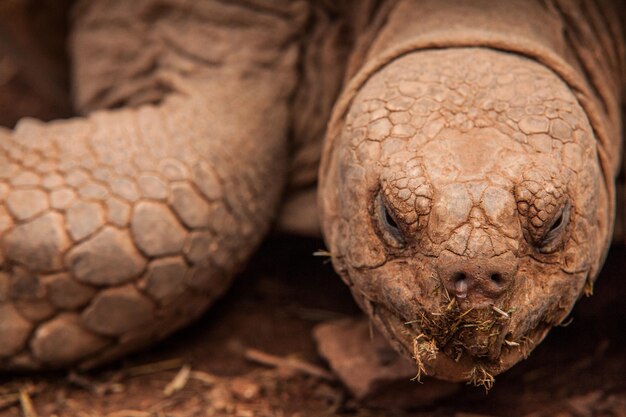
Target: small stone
[25, 204]
[65, 292]
[39, 243]
[364, 365]
[14, 330]
[63, 340]
[371, 369]
[165, 277]
[156, 230]
[83, 219]
[118, 310]
[189, 205]
[108, 258]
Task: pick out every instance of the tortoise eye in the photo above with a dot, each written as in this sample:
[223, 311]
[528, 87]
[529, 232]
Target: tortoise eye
[389, 221]
[389, 224]
[552, 238]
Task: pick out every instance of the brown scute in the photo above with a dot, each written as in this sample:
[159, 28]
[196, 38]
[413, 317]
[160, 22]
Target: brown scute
[116, 311]
[14, 330]
[108, 258]
[63, 340]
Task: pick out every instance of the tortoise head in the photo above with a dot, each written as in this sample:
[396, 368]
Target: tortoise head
[463, 202]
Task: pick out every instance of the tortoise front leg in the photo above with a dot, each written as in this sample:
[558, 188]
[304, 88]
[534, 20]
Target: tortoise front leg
[118, 228]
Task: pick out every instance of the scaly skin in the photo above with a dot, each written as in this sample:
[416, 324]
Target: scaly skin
[118, 228]
[475, 154]
[467, 180]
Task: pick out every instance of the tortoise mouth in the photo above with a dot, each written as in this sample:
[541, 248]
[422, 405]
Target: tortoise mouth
[456, 346]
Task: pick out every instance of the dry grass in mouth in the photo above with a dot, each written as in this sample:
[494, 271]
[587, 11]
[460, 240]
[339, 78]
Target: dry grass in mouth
[479, 377]
[459, 331]
[424, 349]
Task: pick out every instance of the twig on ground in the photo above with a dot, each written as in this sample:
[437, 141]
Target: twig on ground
[98, 388]
[267, 359]
[28, 410]
[10, 397]
[179, 381]
[204, 377]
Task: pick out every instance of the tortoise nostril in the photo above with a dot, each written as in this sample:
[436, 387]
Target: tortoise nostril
[496, 278]
[459, 276]
[460, 284]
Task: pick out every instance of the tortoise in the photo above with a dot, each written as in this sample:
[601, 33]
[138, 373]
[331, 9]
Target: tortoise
[459, 159]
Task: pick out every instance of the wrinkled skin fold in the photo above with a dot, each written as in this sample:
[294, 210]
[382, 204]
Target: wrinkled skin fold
[463, 203]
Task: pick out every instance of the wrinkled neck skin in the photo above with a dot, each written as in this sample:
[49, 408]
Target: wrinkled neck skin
[466, 189]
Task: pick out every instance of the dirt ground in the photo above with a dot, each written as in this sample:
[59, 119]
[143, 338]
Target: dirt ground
[204, 370]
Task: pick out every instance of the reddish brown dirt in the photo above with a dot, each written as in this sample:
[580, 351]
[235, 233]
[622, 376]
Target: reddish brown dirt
[578, 371]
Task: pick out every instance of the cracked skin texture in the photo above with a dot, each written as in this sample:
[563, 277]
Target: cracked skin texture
[465, 188]
[476, 172]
